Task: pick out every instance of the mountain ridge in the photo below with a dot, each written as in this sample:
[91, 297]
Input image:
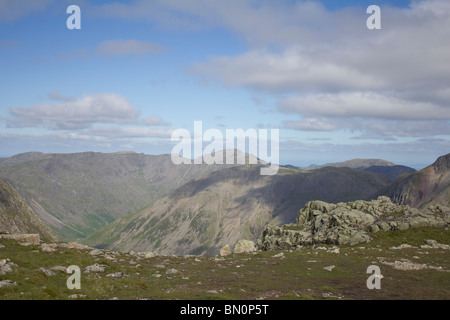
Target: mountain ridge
[353, 164]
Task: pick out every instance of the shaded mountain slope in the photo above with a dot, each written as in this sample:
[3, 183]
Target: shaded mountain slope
[17, 217]
[391, 171]
[430, 185]
[224, 206]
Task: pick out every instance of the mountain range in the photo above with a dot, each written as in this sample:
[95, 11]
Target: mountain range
[128, 201]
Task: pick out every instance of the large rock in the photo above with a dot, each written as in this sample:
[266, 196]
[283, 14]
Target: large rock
[349, 223]
[225, 251]
[243, 246]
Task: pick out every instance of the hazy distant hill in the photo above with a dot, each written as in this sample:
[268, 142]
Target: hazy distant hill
[75, 194]
[354, 164]
[221, 207]
[17, 217]
[430, 185]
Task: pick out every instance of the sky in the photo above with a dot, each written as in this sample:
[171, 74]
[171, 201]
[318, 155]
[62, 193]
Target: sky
[138, 70]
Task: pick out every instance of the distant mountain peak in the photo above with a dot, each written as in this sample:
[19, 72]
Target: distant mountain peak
[442, 163]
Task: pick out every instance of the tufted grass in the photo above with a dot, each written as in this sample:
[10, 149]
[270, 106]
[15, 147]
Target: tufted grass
[300, 275]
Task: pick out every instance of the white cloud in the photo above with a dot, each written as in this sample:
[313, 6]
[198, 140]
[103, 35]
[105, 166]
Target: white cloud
[80, 113]
[312, 124]
[154, 121]
[417, 154]
[365, 128]
[334, 73]
[293, 70]
[364, 104]
[115, 132]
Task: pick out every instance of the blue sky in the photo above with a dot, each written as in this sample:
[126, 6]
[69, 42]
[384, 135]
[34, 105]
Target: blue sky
[137, 70]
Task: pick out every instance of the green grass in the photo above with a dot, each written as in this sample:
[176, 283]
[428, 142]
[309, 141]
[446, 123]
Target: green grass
[299, 275]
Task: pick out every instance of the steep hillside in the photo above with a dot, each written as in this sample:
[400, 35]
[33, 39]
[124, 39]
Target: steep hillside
[430, 185]
[391, 171]
[17, 217]
[222, 207]
[76, 194]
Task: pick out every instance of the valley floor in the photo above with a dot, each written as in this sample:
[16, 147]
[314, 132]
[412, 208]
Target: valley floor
[411, 268]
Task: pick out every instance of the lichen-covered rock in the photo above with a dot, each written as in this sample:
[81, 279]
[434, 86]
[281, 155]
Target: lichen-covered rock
[349, 223]
[244, 246]
[225, 251]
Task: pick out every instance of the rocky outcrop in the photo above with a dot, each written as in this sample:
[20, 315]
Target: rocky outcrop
[349, 223]
[24, 239]
[16, 217]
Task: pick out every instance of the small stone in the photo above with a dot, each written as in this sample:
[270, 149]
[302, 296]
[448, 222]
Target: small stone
[279, 255]
[59, 268]
[7, 283]
[117, 275]
[329, 268]
[95, 252]
[171, 271]
[49, 247]
[402, 246]
[95, 268]
[48, 273]
[76, 296]
[212, 291]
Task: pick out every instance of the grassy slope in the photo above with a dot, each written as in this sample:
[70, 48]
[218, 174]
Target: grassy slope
[300, 275]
